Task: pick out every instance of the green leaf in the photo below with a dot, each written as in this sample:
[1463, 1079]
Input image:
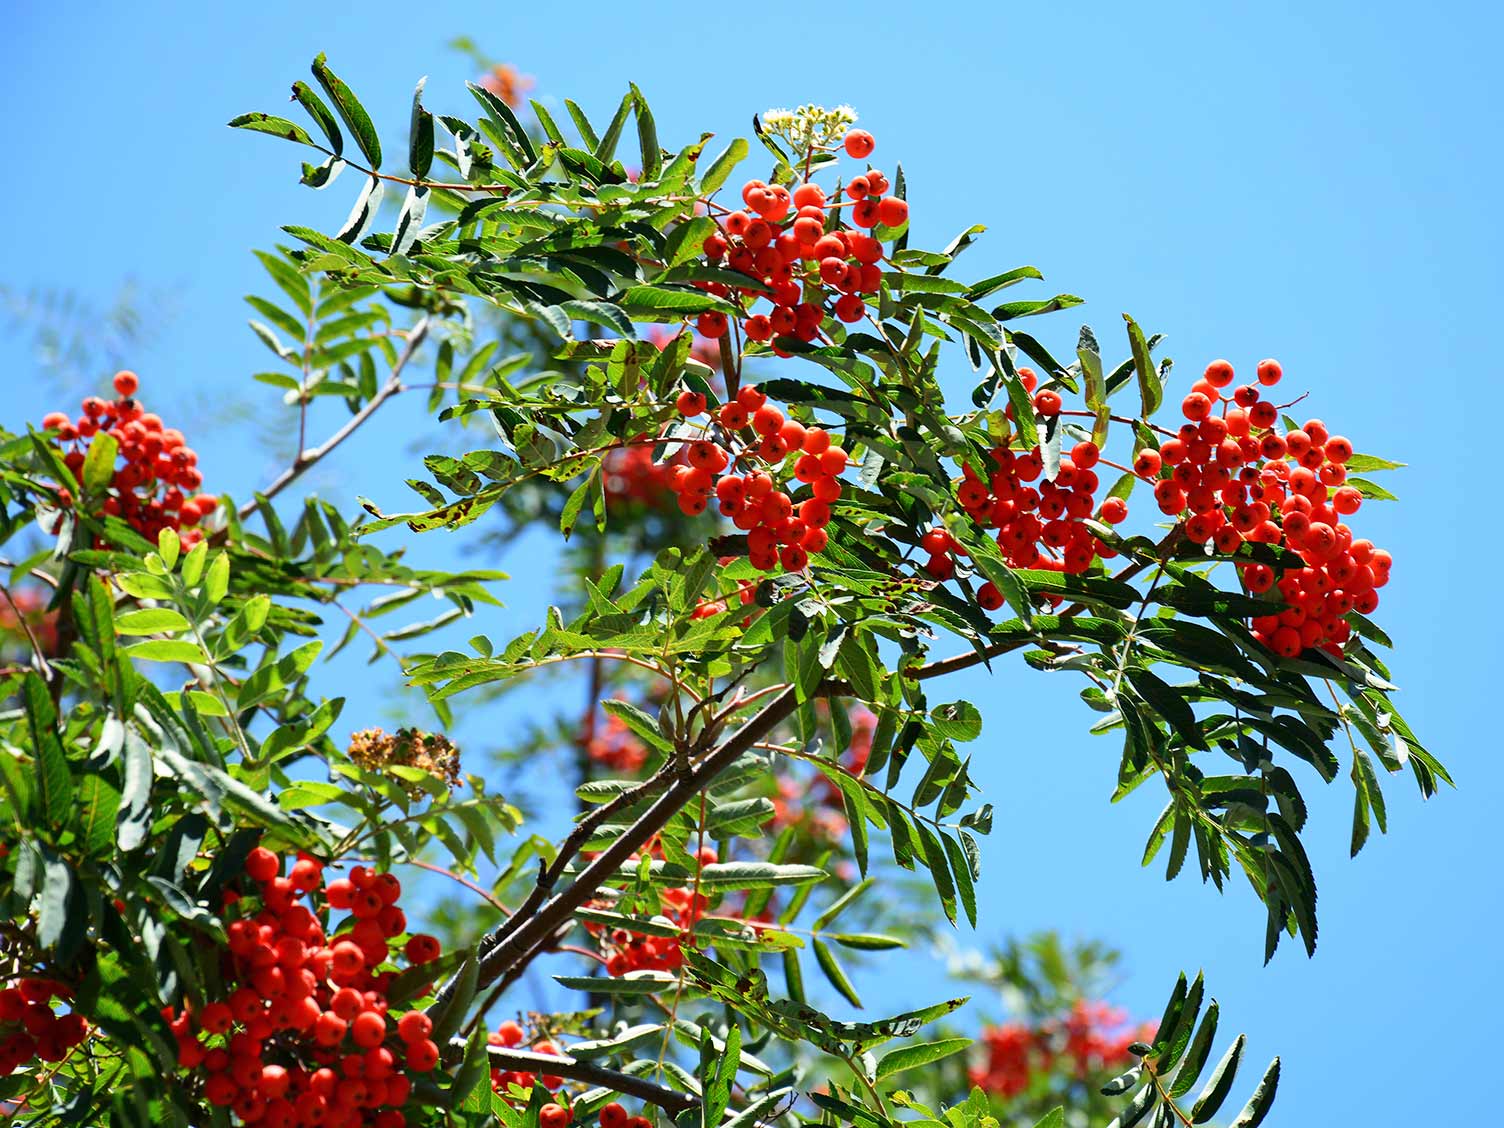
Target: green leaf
[959, 721]
[217, 581]
[1263, 1098]
[647, 136]
[420, 135]
[506, 121]
[277, 127]
[1197, 1052]
[911, 1057]
[840, 904]
[720, 168]
[1009, 310]
[350, 110]
[687, 240]
[363, 214]
[1170, 705]
[633, 983]
[757, 875]
[54, 782]
[98, 804]
[1219, 1084]
[1150, 390]
[607, 147]
[134, 817]
[167, 650]
[323, 118]
[662, 299]
[99, 463]
[151, 620]
[835, 973]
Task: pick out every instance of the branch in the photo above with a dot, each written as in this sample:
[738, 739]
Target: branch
[563, 1065]
[308, 458]
[500, 952]
[972, 657]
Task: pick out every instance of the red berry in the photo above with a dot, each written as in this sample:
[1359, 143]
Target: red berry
[1114, 510]
[126, 384]
[422, 1056]
[859, 144]
[1269, 372]
[1047, 402]
[261, 865]
[690, 404]
[1147, 463]
[892, 212]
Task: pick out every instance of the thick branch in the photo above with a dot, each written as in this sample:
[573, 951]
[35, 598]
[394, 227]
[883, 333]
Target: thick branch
[307, 458]
[525, 939]
[563, 1065]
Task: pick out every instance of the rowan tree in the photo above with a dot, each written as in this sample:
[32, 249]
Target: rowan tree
[728, 393]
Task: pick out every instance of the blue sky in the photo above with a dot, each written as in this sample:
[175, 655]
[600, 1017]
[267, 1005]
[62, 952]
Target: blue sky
[1312, 182]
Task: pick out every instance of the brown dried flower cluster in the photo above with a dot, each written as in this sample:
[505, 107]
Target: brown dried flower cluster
[431, 752]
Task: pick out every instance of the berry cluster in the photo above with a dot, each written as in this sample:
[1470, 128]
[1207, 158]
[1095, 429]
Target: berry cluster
[800, 254]
[302, 1035]
[631, 477]
[614, 747]
[1241, 479]
[1091, 1038]
[157, 470]
[1037, 527]
[504, 1081]
[29, 1028]
[779, 530]
[626, 950]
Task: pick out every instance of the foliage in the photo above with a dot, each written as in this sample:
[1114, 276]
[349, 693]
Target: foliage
[175, 723]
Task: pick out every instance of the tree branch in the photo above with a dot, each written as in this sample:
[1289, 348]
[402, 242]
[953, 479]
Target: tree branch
[306, 459]
[532, 930]
[563, 1065]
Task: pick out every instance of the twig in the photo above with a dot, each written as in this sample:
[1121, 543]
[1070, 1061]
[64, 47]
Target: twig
[43, 667]
[505, 956]
[563, 1065]
[307, 458]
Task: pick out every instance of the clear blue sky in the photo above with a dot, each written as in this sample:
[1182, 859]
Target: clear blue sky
[1316, 182]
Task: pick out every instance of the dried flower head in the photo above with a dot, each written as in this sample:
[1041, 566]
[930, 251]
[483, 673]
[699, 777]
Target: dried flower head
[428, 752]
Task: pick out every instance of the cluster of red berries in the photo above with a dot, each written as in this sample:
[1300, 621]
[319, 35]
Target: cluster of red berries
[1241, 479]
[614, 747]
[504, 1081]
[779, 530]
[626, 950]
[157, 470]
[302, 1035]
[1091, 1038]
[795, 245]
[29, 1028]
[631, 477]
[1040, 527]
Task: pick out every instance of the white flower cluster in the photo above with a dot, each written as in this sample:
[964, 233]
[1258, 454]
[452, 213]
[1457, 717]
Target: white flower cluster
[810, 127]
